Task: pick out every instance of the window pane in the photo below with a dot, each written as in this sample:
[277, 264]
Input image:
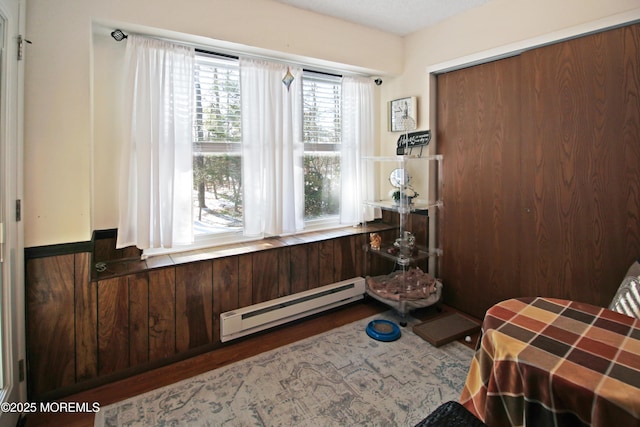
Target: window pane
[217, 167]
[321, 185]
[322, 136]
[217, 193]
[217, 110]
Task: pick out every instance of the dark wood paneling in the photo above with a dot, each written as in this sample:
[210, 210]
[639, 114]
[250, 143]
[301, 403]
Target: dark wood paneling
[390, 217]
[419, 226]
[135, 317]
[358, 256]
[583, 146]
[345, 261]
[104, 247]
[194, 305]
[299, 261]
[265, 276]
[86, 319]
[138, 319]
[162, 313]
[113, 325]
[313, 272]
[325, 263]
[50, 322]
[225, 289]
[284, 271]
[245, 281]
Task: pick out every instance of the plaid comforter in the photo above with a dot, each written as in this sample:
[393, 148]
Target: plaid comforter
[550, 362]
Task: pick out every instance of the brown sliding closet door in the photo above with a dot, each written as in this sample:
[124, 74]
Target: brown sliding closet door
[478, 133]
[581, 159]
[542, 172]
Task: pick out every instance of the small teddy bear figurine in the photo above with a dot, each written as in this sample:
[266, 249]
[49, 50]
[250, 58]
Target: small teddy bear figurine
[375, 240]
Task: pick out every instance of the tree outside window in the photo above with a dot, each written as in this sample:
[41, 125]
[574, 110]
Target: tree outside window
[217, 135]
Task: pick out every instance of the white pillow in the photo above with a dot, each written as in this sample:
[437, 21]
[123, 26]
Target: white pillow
[627, 299]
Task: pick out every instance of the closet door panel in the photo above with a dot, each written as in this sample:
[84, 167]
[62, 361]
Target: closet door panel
[478, 133]
[581, 142]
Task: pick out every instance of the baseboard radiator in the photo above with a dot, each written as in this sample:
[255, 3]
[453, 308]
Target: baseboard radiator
[244, 321]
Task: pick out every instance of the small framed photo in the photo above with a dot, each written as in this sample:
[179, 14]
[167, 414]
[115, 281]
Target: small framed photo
[403, 114]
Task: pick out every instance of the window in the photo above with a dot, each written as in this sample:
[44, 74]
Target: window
[322, 133]
[217, 167]
[217, 177]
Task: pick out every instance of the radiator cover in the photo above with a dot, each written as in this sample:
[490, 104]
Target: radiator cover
[244, 321]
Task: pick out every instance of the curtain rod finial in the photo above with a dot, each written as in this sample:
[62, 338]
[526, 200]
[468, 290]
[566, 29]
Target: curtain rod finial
[118, 35]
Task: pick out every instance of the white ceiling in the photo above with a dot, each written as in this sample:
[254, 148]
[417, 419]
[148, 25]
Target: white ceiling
[399, 17]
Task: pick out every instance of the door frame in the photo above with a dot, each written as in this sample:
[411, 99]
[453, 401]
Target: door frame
[11, 188]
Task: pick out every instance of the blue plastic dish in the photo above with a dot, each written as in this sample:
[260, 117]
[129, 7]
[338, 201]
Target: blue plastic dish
[383, 330]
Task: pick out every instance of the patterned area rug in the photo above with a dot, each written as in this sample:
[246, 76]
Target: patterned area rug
[339, 378]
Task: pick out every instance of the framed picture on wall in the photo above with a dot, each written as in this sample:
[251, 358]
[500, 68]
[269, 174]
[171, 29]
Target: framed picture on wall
[403, 114]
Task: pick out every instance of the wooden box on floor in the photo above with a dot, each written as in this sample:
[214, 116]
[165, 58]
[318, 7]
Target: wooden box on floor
[445, 329]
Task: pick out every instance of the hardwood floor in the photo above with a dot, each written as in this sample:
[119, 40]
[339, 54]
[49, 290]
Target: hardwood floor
[228, 353]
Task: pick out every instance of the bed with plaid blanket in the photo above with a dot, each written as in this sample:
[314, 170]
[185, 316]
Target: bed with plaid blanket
[551, 362]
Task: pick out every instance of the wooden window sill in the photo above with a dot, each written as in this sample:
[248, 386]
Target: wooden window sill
[125, 266]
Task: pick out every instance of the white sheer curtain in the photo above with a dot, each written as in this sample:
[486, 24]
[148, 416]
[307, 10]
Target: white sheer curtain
[272, 148]
[156, 167]
[357, 141]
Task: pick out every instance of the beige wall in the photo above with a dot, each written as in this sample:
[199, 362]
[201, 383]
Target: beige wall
[71, 123]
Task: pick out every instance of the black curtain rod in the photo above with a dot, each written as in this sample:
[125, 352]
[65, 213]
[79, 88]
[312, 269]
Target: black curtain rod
[224, 55]
[210, 52]
[323, 73]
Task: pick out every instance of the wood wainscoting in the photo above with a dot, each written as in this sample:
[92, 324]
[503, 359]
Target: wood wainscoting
[87, 327]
